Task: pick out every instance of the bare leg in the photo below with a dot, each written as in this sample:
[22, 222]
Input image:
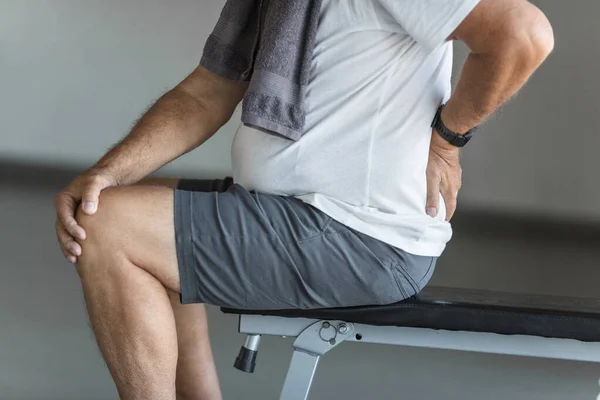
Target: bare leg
[134, 327]
[196, 373]
[128, 260]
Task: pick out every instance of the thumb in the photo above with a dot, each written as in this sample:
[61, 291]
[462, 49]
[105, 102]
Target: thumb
[91, 194]
[433, 197]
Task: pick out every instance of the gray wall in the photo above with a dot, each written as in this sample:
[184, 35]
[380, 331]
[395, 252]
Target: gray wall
[539, 154]
[77, 73]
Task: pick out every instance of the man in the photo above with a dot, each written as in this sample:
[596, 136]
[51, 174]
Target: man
[349, 214]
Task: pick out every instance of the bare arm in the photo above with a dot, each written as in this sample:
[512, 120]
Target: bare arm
[181, 120]
[178, 122]
[508, 40]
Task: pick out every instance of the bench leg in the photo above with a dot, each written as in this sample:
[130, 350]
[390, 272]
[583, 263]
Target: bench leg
[246, 359]
[316, 340]
[299, 376]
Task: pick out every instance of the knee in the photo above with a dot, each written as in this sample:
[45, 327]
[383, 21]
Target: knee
[100, 223]
[101, 228]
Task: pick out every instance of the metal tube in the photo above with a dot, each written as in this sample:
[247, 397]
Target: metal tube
[252, 342]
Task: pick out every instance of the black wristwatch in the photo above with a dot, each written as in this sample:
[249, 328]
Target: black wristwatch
[455, 139]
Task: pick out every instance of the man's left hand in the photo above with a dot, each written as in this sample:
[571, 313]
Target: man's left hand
[443, 176]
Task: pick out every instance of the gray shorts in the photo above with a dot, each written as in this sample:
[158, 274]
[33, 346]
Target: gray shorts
[251, 250]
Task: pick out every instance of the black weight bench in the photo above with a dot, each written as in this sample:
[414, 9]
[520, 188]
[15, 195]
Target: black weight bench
[444, 318]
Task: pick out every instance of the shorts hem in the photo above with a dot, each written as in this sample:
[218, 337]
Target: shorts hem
[184, 247]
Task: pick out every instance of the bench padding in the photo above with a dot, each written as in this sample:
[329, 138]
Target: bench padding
[471, 310]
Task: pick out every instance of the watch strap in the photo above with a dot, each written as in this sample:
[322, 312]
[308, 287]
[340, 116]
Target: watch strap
[455, 139]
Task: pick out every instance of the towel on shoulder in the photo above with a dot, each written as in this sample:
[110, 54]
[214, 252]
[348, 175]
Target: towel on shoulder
[269, 44]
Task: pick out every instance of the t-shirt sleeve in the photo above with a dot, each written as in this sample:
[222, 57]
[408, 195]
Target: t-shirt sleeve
[429, 22]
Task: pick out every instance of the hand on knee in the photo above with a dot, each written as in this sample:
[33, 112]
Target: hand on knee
[101, 229]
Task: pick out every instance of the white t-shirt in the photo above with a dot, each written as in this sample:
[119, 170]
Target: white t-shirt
[379, 71]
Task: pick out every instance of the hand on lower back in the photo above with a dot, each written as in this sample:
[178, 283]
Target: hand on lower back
[443, 176]
[84, 190]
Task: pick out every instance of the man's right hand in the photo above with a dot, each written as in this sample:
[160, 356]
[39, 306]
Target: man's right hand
[84, 190]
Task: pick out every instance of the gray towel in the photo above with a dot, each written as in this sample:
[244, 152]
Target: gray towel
[270, 44]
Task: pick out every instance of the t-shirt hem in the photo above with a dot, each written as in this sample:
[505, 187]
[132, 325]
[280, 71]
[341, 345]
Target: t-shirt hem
[421, 247]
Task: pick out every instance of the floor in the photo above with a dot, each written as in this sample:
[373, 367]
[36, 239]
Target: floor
[47, 350]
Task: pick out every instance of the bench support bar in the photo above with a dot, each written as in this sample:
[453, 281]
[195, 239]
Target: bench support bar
[481, 342]
[313, 342]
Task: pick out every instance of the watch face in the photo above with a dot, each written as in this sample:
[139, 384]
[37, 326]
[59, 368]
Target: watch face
[459, 141]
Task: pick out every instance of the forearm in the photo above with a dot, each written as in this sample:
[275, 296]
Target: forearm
[496, 69]
[174, 125]
[178, 122]
[485, 83]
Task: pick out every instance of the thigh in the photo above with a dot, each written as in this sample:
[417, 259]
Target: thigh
[249, 250]
[135, 222]
[138, 221]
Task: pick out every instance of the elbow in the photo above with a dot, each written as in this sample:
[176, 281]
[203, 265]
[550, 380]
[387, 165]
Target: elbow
[540, 38]
[531, 38]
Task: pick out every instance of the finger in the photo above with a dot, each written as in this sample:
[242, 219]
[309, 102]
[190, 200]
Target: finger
[450, 196]
[70, 257]
[69, 246]
[71, 226]
[65, 210]
[433, 195]
[91, 193]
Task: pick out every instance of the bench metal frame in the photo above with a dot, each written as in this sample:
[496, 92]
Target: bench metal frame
[314, 338]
